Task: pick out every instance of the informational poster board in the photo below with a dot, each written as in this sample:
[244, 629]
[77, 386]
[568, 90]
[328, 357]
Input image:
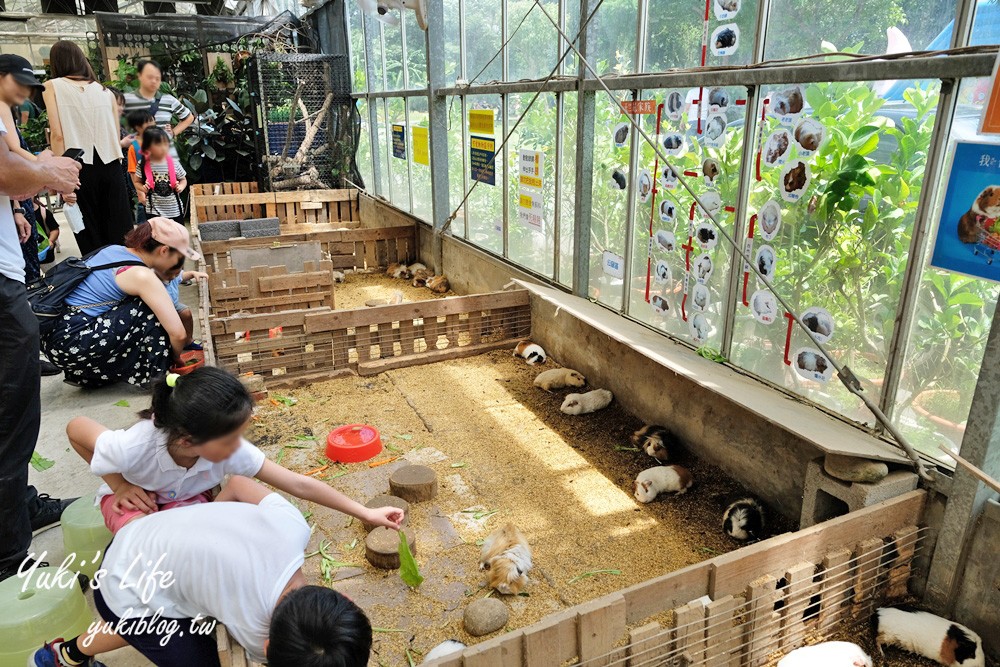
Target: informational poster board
[481, 121]
[482, 159]
[530, 173]
[968, 233]
[399, 141]
[421, 146]
[990, 122]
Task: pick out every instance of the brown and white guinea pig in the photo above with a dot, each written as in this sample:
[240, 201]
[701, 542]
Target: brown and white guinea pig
[795, 179]
[396, 270]
[582, 404]
[661, 479]
[788, 102]
[656, 441]
[744, 519]
[533, 354]
[931, 636]
[447, 647]
[809, 134]
[421, 276]
[558, 378]
[506, 558]
[339, 276]
[827, 654]
[416, 266]
[438, 284]
[985, 208]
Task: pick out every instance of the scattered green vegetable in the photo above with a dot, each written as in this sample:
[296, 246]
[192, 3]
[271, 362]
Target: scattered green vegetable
[409, 658]
[622, 448]
[711, 354]
[387, 630]
[280, 456]
[303, 436]
[122, 403]
[408, 570]
[40, 463]
[405, 436]
[458, 465]
[592, 573]
[287, 400]
[480, 514]
[353, 544]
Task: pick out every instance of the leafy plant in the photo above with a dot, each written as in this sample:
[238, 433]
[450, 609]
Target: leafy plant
[221, 73]
[34, 132]
[408, 570]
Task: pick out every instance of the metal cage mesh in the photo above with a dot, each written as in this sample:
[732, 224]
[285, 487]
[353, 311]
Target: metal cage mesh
[309, 124]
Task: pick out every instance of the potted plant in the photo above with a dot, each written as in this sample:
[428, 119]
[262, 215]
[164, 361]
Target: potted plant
[945, 409]
[222, 75]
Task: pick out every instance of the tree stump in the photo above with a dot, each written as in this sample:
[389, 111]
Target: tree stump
[414, 484]
[382, 547]
[388, 501]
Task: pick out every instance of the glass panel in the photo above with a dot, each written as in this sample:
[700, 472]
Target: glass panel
[452, 42]
[952, 319]
[457, 168]
[420, 174]
[399, 176]
[611, 37]
[567, 189]
[800, 27]
[364, 154]
[355, 29]
[530, 210]
[837, 246]
[675, 243]
[675, 29]
[392, 38]
[571, 26]
[377, 84]
[531, 53]
[485, 205]
[384, 148]
[416, 51]
[610, 199]
[482, 41]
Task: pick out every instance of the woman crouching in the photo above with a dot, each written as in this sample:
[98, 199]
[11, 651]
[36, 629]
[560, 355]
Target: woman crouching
[121, 323]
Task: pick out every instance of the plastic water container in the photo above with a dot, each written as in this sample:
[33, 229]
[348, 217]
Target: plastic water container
[39, 614]
[85, 534]
[353, 443]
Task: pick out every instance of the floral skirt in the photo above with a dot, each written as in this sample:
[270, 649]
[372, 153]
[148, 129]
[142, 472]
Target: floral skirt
[125, 343]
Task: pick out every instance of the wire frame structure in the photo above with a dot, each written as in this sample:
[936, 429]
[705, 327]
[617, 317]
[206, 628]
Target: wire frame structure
[309, 124]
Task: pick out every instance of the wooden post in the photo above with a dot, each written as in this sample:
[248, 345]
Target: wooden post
[799, 589]
[760, 631]
[721, 632]
[834, 586]
[905, 541]
[647, 643]
[601, 624]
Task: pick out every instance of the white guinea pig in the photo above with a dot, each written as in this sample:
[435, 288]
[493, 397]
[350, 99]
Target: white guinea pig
[928, 635]
[530, 352]
[661, 479]
[827, 654]
[447, 647]
[592, 401]
[557, 378]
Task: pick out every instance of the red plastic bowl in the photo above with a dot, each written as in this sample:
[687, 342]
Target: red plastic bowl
[188, 362]
[353, 443]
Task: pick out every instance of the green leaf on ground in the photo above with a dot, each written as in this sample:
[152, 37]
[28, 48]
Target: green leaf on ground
[408, 570]
[40, 463]
[122, 403]
[287, 400]
[405, 436]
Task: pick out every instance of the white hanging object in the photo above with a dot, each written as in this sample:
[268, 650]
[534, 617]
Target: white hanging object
[380, 9]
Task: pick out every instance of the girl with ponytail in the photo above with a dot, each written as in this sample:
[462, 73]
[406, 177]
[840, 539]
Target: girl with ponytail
[186, 443]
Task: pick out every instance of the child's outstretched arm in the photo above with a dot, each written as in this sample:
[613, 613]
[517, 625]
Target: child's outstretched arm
[308, 488]
[83, 433]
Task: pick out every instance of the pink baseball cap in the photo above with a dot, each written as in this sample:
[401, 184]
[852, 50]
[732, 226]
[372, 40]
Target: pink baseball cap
[174, 235]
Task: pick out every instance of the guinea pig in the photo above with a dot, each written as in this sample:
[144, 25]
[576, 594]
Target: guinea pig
[729, 5]
[818, 326]
[673, 142]
[662, 271]
[618, 181]
[700, 325]
[704, 268]
[667, 212]
[716, 128]
[710, 169]
[744, 519]
[660, 303]
[725, 39]
[665, 240]
[416, 266]
[398, 271]
[777, 144]
[706, 235]
[447, 647]
[700, 297]
[809, 134]
[795, 179]
[655, 440]
[931, 636]
[533, 354]
[812, 362]
[788, 102]
[674, 102]
[339, 276]
[765, 264]
[718, 97]
[827, 654]
[438, 284]
[770, 216]
[582, 404]
[421, 276]
[669, 175]
[621, 134]
[557, 378]
[661, 479]
[984, 209]
[506, 557]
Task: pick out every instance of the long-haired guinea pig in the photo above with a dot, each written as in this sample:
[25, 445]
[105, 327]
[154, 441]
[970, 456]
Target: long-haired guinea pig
[557, 378]
[827, 654]
[438, 284]
[506, 558]
[744, 519]
[592, 401]
[725, 39]
[398, 271]
[656, 441]
[447, 647]
[421, 276]
[661, 479]
[533, 354]
[931, 636]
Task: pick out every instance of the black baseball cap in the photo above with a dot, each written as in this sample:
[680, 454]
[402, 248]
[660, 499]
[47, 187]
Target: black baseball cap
[20, 69]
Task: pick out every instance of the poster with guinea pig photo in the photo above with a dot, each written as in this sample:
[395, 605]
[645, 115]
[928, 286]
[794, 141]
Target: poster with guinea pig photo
[967, 239]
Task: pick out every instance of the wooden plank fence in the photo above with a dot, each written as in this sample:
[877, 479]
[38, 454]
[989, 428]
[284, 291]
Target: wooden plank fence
[268, 289]
[296, 211]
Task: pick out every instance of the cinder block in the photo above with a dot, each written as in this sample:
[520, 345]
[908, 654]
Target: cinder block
[259, 227]
[222, 230]
[826, 497]
[253, 382]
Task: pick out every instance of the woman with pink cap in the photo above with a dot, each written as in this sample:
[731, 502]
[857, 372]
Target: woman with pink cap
[121, 324]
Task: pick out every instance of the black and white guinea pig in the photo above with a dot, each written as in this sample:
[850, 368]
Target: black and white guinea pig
[827, 654]
[931, 636]
[716, 128]
[744, 519]
[673, 142]
[447, 647]
[718, 97]
[530, 352]
[656, 441]
[725, 39]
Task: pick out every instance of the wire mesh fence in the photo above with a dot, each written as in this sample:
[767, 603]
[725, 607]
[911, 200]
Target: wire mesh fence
[309, 124]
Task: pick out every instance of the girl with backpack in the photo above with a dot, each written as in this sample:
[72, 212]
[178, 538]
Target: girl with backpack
[159, 179]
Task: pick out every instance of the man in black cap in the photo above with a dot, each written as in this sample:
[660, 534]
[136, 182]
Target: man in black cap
[22, 509]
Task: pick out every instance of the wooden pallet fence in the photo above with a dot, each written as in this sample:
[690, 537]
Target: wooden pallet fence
[357, 249]
[296, 211]
[265, 289]
[289, 345]
[781, 593]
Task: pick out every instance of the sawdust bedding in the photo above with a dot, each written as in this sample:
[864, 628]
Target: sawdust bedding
[359, 287]
[503, 452]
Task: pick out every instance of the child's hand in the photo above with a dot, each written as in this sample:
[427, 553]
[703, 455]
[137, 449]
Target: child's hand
[197, 275]
[390, 517]
[131, 497]
[141, 194]
[181, 186]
